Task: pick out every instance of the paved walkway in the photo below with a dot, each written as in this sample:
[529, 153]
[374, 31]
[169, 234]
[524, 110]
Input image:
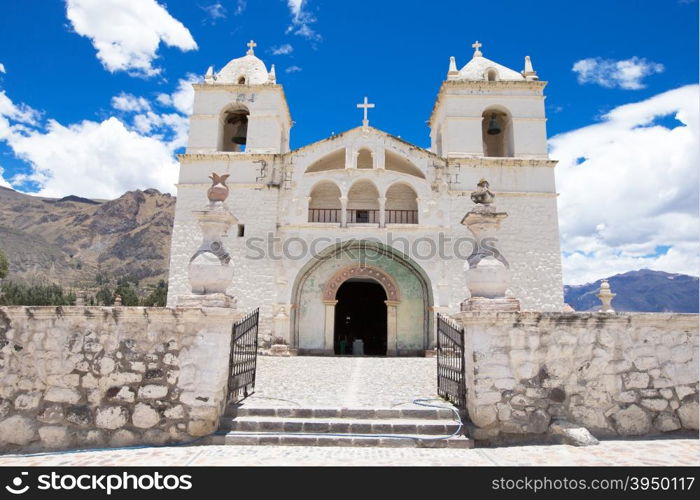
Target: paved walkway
[351, 382]
[630, 453]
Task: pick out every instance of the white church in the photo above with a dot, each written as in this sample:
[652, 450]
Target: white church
[362, 235]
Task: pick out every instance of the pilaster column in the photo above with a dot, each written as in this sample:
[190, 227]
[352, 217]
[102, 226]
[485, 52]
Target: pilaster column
[382, 213]
[392, 327]
[329, 325]
[306, 202]
[344, 211]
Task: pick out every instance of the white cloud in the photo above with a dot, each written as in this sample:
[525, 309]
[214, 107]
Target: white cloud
[101, 159]
[282, 50]
[20, 113]
[629, 189]
[183, 97]
[301, 20]
[127, 33]
[625, 74]
[3, 182]
[292, 69]
[97, 160]
[240, 7]
[215, 12]
[2, 68]
[129, 102]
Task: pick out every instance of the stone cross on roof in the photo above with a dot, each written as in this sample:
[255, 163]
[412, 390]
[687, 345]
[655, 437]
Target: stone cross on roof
[251, 45]
[366, 106]
[477, 46]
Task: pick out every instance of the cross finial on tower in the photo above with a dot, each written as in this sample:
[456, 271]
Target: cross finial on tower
[251, 45]
[365, 105]
[477, 46]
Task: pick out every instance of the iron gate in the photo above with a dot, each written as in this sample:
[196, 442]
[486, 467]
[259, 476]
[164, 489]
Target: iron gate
[244, 352]
[450, 362]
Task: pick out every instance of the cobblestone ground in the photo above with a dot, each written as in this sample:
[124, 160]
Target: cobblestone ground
[343, 381]
[630, 453]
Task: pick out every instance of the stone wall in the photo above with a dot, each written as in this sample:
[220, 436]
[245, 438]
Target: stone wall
[80, 377]
[619, 374]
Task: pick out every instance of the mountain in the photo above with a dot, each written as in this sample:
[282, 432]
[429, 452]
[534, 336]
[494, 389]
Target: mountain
[640, 291]
[76, 241]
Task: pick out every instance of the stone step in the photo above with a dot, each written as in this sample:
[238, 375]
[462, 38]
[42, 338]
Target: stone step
[340, 425]
[299, 439]
[355, 413]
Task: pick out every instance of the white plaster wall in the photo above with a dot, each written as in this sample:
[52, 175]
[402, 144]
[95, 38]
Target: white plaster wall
[268, 123]
[460, 106]
[270, 195]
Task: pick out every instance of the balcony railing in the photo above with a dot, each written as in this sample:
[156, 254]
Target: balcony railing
[325, 215]
[354, 216]
[401, 216]
[363, 216]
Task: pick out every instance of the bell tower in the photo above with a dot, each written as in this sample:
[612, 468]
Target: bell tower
[486, 109]
[240, 109]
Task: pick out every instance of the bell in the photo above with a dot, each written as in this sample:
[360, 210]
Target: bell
[494, 128]
[239, 136]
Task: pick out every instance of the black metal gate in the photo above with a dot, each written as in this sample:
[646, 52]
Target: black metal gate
[450, 362]
[244, 353]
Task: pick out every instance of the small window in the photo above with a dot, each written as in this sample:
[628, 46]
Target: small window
[241, 230]
[241, 80]
[491, 75]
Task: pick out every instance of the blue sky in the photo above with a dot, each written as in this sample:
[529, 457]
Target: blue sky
[58, 112]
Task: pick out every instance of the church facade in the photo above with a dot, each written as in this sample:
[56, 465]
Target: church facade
[360, 235]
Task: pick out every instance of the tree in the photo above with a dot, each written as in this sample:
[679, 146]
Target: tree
[17, 294]
[128, 294]
[4, 265]
[105, 296]
[157, 297]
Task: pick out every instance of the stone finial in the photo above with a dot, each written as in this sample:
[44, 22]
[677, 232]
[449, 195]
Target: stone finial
[452, 71]
[218, 190]
[272, 76]
[251, 45]
[209, 75]
[605, 295]
[476, 45]
[118, 300]
[482, 195]
[529, 73]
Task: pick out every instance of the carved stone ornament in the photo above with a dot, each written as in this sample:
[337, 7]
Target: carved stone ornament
[482, 195]
[218, 190]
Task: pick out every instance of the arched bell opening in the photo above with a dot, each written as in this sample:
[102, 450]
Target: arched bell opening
[497, 133]
[234, 136]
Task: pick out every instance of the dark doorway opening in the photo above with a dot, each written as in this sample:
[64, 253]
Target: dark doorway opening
[360, 314]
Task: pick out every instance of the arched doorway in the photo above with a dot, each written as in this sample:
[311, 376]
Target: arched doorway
[360, 314]
[409, 297]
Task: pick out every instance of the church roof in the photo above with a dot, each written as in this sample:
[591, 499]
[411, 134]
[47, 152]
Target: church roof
[478, 67]
[364, 131]
[248, 67]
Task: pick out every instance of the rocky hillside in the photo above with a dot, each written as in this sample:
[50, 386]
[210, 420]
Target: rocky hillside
[643, 291]
[73, 241]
